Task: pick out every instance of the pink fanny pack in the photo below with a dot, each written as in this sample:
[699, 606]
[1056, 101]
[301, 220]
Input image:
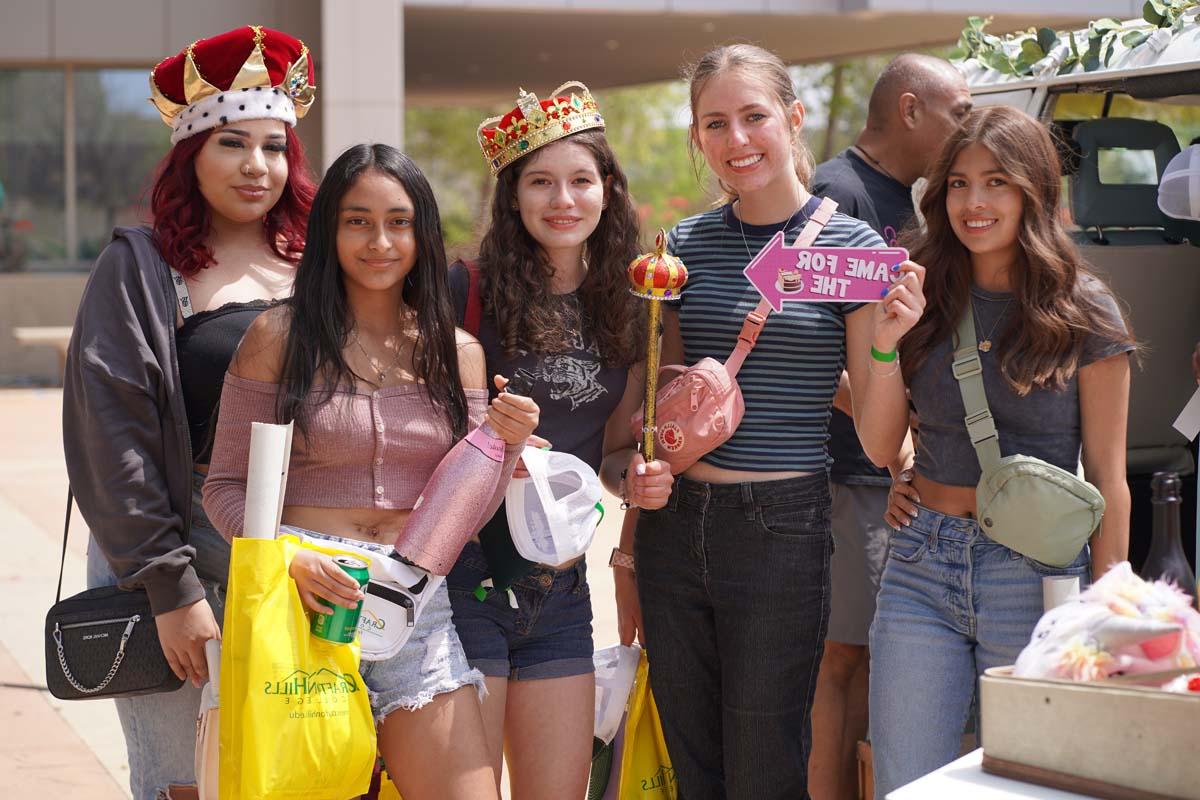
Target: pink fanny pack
[700, 408]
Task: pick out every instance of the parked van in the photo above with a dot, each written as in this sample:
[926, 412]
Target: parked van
[1118, 125]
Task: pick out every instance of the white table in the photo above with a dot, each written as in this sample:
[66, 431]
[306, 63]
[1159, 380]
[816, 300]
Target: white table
[965, 778]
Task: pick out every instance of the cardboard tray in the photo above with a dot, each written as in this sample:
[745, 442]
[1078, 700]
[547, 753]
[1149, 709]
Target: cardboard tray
[1106, 739]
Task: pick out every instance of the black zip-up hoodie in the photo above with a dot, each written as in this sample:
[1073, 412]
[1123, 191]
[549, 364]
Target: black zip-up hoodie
[125, 427]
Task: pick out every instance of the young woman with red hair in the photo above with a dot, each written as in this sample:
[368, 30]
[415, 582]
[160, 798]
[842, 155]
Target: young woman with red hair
[158, 323]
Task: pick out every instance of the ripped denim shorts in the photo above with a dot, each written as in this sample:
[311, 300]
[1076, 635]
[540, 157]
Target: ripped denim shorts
[432, 661]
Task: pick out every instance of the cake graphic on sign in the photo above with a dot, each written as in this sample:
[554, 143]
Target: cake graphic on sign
[789, 281]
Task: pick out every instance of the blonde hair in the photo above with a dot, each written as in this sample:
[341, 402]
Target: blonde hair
[758, 63]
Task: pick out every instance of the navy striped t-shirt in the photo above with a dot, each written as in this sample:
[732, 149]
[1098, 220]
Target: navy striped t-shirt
[789, 379]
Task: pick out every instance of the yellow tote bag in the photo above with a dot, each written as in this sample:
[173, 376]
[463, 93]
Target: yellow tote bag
[387, 789]
[296, 722]
[646, 772]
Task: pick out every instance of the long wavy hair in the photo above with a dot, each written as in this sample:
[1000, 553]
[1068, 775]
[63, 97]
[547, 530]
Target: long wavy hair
[515, 272]
[1054, 308]
[321, 319]
[182, 217]
[762, 65]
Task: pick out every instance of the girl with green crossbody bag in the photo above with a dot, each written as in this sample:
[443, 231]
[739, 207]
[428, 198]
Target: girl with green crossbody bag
[1015, 359]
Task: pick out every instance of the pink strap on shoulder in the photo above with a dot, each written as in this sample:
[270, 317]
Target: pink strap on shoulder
[755, 320]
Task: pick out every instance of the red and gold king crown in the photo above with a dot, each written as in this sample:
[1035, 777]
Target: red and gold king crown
[535, 123]
[657, 275]
[250, 72]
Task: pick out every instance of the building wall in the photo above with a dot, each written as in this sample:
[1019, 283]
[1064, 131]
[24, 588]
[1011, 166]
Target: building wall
[35, 300]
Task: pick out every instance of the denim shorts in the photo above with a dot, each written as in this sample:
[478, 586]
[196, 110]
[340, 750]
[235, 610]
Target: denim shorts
[160, 729]
[430, 663]
[548, 634]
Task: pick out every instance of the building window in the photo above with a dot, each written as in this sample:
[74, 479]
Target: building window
[119, 138]
[78, 149]
[32, 199]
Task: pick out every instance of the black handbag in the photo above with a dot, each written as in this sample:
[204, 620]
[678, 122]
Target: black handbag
[103, 642]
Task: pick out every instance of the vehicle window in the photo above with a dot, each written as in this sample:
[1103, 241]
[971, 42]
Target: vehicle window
[1119, 165]
[1181, 115]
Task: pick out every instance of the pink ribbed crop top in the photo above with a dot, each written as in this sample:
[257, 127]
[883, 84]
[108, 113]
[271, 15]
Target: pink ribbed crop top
[363, 449]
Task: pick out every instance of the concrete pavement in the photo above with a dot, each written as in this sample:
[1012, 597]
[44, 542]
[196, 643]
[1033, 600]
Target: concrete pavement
[49, 748]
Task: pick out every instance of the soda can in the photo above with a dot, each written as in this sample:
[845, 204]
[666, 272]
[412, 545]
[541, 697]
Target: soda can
[342, 625]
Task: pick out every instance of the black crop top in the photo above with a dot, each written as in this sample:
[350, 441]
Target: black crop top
[205, 345]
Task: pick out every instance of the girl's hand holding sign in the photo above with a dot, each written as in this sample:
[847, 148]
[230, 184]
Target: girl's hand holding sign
[903, 304]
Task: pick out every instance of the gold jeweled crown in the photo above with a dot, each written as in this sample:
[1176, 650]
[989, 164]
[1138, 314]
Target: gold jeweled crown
[535, 123]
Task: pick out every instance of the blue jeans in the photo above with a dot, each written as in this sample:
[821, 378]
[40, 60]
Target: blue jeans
[952, 604]
[160, 729]
[734, 587]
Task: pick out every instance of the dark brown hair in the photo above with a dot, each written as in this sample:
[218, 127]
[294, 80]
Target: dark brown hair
[515, 273]
[1055, 307]
[321, 317]
[762, 65]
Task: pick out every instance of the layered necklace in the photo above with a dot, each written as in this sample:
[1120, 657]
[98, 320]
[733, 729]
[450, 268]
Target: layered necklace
[376, 364]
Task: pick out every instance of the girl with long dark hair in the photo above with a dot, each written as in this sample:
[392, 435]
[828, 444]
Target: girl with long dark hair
[367, 362]
[1053, 348]
[156, 328]
[552, 299]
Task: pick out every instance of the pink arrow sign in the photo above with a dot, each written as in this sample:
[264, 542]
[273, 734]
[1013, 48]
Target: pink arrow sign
[822, 274]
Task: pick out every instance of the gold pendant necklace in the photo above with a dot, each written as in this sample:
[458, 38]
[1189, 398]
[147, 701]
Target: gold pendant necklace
[371, 361]
[985, 345]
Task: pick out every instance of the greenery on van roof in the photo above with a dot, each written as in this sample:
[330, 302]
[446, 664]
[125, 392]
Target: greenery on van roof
[1040, 50]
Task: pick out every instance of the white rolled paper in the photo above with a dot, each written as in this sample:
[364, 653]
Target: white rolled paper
[212, 654]
[266, 478]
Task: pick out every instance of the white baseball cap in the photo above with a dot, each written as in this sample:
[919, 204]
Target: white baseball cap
[553, 514]
[1179, 188]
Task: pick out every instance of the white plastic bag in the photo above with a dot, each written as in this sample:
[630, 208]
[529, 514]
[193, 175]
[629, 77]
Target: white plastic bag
[616, 667]
[553, 514]
[208, 726]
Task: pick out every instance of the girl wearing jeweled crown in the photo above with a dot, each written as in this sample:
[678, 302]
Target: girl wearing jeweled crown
[733, 570]
[548, 294]
[157, 325]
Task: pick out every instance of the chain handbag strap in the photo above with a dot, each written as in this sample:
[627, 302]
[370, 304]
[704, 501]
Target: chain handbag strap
[62, 656]
[112, 672]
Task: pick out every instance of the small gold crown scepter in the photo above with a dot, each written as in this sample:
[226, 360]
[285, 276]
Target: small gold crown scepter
[654, 277]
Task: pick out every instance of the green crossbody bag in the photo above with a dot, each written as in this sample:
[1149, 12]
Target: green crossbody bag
[1026, 504]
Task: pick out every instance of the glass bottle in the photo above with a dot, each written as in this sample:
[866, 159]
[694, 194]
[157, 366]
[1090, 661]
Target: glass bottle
[453, 503]
[1166, 559]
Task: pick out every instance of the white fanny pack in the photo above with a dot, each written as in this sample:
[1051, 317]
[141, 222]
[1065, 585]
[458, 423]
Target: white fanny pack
[396, 596]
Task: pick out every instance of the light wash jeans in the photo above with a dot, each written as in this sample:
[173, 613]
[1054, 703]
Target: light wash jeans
[952, 604]
[160, 729]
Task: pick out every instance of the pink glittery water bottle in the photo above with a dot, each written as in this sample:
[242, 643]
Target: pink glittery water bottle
[453, 502]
